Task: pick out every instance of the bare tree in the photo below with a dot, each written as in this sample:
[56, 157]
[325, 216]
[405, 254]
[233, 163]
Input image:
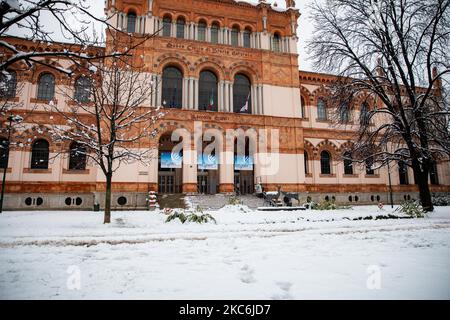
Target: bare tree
[110, 122]
[393, 55]
[73, 20]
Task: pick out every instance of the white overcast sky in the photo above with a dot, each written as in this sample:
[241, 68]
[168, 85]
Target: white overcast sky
[304, 30]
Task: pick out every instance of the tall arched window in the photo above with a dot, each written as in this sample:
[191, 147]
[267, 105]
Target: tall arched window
[247, 33]
[364, 114]
[180, 27]
[4, 153]
[208, 91]
[131, 22]
[348, 163]
[306, 162]
[235, 36]
[167, 26]
[276, 42]
[77, 157]
[325, 162]
[403, 173]
[434, 178]
[215, 32]
[46, 87]
[321, 110]
[8, 84]
[39, 154]
[83, 87]
[201, 34]
[242, 100]
[344, 113]
[369, 167]
[303, 103]
[172, 87]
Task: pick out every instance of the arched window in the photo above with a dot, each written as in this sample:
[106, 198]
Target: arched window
[77, 157]
[235, 36]
[434, 178]
[325, 162]
[131, 22]
[180, 27]
[403, 173]
[208, 91]
[167, 26]
[172, 88]
[4, 153]
[364, 114]
[201, 34]
[215, 32]
[344, 113]
[247, 33]
[303, 107]
[276, 42]
[39, 154]
[242, 100]
[321, 110]
[83, 87]
[348, 163]
[46, 87]
[369, 167]
[8, 84]
[306, 162]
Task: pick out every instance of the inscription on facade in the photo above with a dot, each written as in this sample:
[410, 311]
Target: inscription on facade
[199, 49]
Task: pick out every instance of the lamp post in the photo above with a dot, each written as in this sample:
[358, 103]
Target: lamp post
[11, 119]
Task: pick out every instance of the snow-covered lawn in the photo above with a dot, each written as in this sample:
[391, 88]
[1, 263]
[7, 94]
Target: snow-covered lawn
[246, 255]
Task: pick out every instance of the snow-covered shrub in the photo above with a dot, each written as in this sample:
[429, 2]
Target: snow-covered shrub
[177, 215]
[412, 209]
[198, 216]
[201, 218]
[441, 200]
[327, 205]
[234, 201]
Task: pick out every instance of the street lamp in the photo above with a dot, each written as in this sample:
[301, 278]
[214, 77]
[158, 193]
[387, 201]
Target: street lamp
[11, 119]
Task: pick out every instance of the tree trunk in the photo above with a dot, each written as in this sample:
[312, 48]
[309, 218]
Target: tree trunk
[421, 179]
[107, 218]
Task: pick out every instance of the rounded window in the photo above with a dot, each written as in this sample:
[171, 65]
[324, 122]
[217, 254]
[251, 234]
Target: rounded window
[28, 201]
[122, 201]
[68, 201]
[39, 201]
[78, 201]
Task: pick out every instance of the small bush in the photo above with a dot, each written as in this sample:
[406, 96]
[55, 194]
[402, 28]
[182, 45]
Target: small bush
[234, 201]
[412, 209]
[198, 216]
[327, 205]
[177, 215]
[441, 200]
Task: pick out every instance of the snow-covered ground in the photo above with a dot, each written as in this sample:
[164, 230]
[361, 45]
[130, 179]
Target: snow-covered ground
[246, 255]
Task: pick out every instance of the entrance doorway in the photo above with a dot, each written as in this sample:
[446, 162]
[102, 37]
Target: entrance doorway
[170, 171]
[207, 181]
[244, 182]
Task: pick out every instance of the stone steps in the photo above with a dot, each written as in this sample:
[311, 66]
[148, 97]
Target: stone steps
[217, 201]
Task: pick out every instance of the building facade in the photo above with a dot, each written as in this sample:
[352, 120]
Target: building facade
[223, 65]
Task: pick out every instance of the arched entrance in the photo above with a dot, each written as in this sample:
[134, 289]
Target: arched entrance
[244, 169]
[208, 168]
[170, 166]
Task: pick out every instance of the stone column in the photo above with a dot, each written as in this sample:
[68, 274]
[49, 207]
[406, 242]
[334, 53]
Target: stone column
[159, 91]
[189, 170]
[220, 36]
[261, 99]
[173, 30]
[208, 34]
[241, 39]
[226, 172]
[184, 103]
[196, 94]
[220, 96]
[231, 97]
[226, 99]
[254, 107]
[191, 93]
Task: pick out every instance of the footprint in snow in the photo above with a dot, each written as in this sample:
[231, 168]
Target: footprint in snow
[285, 291]
[246, 274]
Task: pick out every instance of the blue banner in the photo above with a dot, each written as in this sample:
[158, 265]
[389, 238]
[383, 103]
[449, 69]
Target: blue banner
[244, 163]
[171, 160]
[207, 162]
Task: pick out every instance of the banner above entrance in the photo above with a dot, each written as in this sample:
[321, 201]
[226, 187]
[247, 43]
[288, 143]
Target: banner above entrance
[171, 160]
[244, 163]
[207, 162]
